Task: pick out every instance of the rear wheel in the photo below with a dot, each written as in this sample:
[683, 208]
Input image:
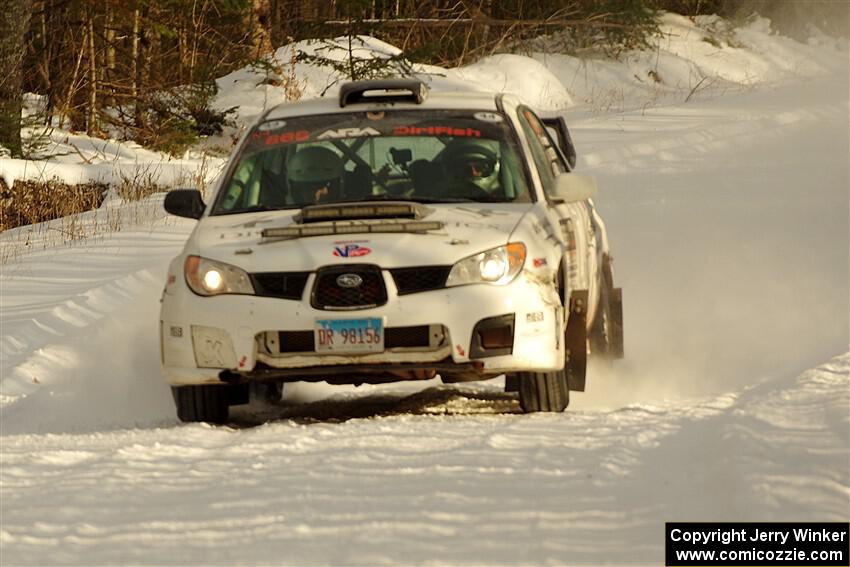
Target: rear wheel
[543, 391]
[208, 403]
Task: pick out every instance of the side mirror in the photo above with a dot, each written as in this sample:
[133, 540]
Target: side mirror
[185, 203]
[573, 187]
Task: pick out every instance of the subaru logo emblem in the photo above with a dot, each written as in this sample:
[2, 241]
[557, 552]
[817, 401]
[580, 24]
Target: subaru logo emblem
[349, 281]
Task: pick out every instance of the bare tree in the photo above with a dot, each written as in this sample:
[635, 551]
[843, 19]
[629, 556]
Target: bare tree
[92, 128]
[14, 23]
[260, 26]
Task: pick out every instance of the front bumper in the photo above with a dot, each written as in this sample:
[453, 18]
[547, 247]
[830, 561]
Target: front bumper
[211, 339]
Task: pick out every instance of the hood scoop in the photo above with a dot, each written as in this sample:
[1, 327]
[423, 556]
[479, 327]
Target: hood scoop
[356, 218]
[367, 210]
[361, 226]
[377, 226]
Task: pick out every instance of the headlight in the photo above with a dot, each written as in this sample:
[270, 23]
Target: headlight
[497, 266]
[208, 277]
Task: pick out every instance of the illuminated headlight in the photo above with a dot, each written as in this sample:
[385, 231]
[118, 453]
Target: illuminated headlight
[497, 266]
[208, 277]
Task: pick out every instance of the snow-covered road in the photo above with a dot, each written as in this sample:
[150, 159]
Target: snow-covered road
[729, 220]
[430, 480]
[728, 216]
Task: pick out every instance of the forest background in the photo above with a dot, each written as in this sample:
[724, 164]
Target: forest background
[144, 70]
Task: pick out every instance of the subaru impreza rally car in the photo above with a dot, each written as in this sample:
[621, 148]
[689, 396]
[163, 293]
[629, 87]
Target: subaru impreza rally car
[392, 234]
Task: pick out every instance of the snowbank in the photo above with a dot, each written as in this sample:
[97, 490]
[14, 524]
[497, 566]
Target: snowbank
[519, 75]
[703, 56]
[305, 69]
[254, 90]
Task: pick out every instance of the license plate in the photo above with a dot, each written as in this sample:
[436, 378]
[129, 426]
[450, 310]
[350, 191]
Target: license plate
[349, 335]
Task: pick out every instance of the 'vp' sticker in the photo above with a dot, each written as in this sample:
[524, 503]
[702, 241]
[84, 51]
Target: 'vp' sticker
[351, 251]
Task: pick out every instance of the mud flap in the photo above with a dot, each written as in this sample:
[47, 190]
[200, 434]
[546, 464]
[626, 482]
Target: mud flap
[615, 345]
[575, 341]
[607, 331]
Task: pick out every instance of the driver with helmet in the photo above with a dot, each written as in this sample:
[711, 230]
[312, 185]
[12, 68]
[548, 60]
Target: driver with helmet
[314, 175]
[471, 167]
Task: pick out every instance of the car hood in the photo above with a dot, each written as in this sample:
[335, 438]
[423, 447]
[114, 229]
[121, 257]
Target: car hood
[467, 229]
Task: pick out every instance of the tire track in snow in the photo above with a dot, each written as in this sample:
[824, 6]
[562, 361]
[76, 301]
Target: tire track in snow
[781, 450]
[635, 145]
[409, 485]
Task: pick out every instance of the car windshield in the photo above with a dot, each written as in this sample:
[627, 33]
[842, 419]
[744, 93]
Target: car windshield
[429, 156]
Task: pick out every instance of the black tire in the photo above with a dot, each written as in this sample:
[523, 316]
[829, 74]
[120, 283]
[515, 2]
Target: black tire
[543, 391]
[511, 383]
[202, 403]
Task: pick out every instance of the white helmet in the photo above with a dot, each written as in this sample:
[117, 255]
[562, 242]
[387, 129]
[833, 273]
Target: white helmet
[312, 168]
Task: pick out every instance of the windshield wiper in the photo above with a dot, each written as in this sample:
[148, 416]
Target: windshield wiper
[256, 209]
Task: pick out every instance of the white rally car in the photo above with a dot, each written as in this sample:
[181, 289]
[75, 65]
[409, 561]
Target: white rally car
[391, 234]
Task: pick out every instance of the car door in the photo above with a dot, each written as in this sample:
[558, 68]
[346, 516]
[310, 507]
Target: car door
[560, 133]
[575, 221]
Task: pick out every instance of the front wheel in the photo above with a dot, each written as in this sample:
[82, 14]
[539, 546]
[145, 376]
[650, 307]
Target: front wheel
[543, 391]
[208, 403]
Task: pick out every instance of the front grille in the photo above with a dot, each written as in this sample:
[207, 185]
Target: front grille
[394, 337]
[423, 278]
[285, 285]
[329, 295]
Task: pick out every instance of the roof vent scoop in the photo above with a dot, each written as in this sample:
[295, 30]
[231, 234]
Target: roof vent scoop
[383, 90]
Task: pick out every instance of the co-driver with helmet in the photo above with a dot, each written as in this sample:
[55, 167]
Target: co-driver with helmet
[314, 175]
